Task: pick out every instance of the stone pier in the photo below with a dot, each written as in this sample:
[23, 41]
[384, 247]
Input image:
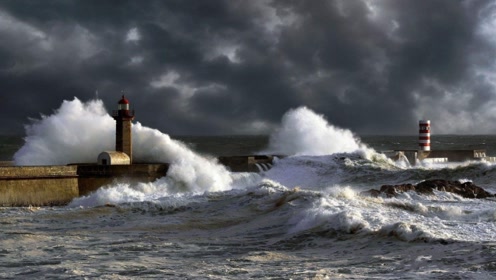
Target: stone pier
[59, 185]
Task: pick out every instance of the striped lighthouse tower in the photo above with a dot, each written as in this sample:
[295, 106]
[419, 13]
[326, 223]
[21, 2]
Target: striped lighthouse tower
[425, 135]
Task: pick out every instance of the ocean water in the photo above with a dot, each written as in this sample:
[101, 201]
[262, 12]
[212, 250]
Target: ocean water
[302, 219]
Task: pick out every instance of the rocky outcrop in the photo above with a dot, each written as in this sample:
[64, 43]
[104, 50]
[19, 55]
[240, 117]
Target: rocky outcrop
[466, 190]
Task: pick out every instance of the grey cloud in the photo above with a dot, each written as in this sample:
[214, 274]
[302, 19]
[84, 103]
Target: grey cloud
[371, 66]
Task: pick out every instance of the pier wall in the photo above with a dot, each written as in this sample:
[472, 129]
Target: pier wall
[37, 185]
[454, 155]
[59, 185]
[450, 155]
[91, 177]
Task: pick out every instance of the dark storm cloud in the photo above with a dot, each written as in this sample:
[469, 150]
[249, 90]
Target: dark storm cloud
[210, 67]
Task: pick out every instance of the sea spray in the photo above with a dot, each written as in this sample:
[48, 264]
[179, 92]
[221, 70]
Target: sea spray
[320, 154]
[303, 132]
[188, 169]
[77, 132]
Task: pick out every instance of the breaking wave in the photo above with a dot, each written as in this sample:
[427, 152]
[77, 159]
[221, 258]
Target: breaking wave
[77, 132]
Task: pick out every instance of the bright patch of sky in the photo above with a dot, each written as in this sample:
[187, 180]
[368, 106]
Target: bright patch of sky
[24, 33]
[133, 35]
[226, 50]
[136, 60]
[487, 23]
[172, 80]
[274, 20]
[40, 47]
[446, 109]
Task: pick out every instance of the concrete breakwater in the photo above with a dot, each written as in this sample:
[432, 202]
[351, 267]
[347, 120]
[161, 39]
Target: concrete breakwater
[91, 176]
[58, 185]
[414, 156]
[37, 185]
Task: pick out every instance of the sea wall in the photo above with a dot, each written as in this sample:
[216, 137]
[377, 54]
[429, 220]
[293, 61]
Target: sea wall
[450, 155]
[91, 177]
[58, 185]
[37, 185]
[454, 155]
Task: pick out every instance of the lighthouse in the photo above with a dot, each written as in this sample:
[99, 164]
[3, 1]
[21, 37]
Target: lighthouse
[123, 118]
[424, 135]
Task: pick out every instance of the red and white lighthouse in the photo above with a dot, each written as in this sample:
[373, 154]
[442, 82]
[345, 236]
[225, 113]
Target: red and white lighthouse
[123, 136]
[425, 135]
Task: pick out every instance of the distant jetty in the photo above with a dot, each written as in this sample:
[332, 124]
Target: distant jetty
[426, 155]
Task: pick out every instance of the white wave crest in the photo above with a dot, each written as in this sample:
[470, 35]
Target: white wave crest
[303, 132]
[76, 132]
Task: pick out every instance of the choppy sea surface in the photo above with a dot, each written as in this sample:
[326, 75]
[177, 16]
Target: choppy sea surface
[302, 219]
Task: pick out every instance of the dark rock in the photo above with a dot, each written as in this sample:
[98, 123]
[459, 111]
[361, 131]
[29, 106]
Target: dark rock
[371, 192]
[466, 190]
[391, 190]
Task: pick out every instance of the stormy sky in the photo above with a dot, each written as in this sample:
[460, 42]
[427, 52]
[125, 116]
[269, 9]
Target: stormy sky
[194, 67]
